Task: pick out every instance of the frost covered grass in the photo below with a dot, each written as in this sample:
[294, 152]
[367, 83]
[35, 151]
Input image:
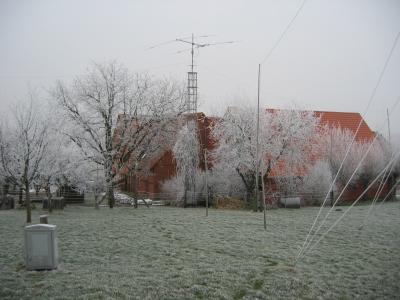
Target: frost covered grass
[174, 253]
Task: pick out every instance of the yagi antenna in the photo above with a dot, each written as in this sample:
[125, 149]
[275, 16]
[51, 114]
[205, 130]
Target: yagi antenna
[175, 40]
[192, 75]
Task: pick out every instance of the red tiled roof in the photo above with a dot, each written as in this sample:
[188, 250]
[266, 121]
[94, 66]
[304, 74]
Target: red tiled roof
[346, 120]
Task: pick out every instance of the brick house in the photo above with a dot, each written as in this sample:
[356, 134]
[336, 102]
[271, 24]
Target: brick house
[163, 167]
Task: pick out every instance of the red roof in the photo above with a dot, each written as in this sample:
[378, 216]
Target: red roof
[346, 120]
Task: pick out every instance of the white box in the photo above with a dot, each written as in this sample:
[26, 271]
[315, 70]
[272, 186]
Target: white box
[41, 247]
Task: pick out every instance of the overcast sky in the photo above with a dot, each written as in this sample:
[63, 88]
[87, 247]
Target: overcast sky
[330, 59]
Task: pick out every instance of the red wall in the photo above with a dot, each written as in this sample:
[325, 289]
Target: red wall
[165, 167]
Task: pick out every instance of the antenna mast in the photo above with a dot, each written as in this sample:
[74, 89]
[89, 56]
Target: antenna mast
[191, 101]
[192, 75]
[192, 85]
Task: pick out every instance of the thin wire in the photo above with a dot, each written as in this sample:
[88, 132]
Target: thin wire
[383, 182]
[351, 206]
[305, 244]
[348, 182]
[283, 33]
[342, 192]
[352, 142]
[390, 191]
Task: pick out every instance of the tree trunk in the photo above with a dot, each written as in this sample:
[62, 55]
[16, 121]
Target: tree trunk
[20, 196]
[96, 204]
[185, 193]
[135, 199]
[264, 206]
[391, 181]
[365, 184]
[135, 202]
[48, 194]
[6, 187]
[108, 172]
[110, 195]
[250, 189]
[28, 203]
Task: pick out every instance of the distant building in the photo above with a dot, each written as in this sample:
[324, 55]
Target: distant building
[163, 166]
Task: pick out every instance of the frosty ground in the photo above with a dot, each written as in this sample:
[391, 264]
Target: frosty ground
[175, 253]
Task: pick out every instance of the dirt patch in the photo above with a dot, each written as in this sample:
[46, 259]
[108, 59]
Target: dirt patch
[225, 202]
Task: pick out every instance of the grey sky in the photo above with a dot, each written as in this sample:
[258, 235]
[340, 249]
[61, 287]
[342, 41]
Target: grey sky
[330, 59]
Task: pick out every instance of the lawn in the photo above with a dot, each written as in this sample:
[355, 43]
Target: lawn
[174, 253]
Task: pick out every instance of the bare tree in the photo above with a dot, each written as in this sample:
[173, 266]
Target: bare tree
[116, 117]
[23, 146]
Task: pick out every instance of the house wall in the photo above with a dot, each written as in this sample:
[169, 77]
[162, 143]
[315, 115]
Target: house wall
[165, 167]
[352, 193]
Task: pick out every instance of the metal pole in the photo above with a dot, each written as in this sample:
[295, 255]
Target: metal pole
[257, 133]
[330, 162]
[192, 49]
[205, 173]
[388, 123]
[263, 195]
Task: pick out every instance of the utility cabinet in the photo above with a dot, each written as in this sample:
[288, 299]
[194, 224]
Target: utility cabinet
[41, 249]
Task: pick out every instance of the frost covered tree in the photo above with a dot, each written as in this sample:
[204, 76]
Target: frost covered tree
[23, 146]
[378, 157]
[186, 154]
[116, 117]
[57, 157]
[336, 141]
[293, 140]
[224, 180]
[190, 178]
[235, 134]
[174, 188]
[50, 170]
[375, 160]
[284, 136]
[318, 181]
[85, 176]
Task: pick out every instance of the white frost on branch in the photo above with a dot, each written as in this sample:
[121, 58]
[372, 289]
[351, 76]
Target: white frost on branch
[23, 146]
[115, 118]
[286, 142]
[186, 154]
